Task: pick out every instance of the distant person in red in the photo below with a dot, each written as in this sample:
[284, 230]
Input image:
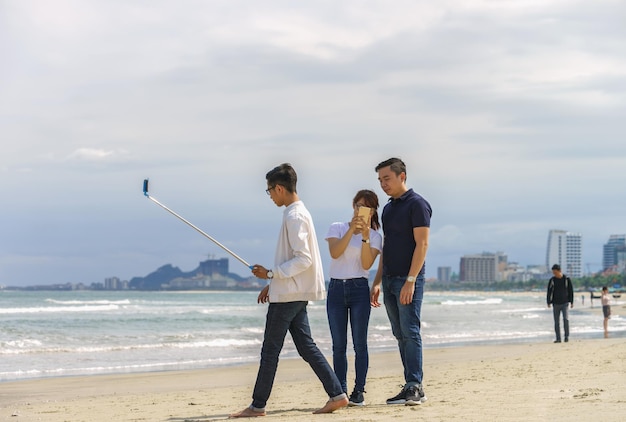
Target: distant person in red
[560, 294]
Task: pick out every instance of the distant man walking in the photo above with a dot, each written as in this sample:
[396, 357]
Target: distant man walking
[297, 278]
[406, 226]
[560, 294]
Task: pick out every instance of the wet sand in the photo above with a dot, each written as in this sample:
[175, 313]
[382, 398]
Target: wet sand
[579, 380]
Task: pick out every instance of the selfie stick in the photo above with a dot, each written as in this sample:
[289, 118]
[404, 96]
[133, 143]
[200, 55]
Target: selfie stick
[145, 192]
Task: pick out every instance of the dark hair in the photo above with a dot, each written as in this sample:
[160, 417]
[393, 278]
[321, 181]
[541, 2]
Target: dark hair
[556, 267]
[371, 200]
[605, 288]
[396, 165]
[283, 175]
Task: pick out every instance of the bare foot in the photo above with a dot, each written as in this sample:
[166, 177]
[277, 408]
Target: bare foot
[331, 406]
[246, 413]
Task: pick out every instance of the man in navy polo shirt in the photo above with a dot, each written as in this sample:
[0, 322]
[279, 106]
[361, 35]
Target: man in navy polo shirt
[406, 226]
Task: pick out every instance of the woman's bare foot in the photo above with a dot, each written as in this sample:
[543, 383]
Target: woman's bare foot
[246, 413]
[331, 406]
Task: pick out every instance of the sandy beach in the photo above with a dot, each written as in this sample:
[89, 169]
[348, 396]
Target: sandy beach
[579, 380]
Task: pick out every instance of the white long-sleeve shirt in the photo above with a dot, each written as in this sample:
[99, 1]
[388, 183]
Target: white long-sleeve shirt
[298, 272]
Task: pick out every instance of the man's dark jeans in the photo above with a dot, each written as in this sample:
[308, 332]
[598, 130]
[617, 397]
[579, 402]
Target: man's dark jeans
[349, 299]
[557, 309]
[405, 325]
[292, 317]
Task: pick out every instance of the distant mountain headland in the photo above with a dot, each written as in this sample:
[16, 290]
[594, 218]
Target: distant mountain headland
[212, 274]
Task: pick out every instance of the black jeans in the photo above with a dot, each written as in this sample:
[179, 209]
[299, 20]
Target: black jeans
[292, 317]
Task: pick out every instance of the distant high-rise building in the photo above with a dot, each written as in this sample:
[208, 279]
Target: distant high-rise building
[620, 252]
[443, 274]
[112, 283]
[214, 266]
[482, 267]
[565, 248]
[610, 250]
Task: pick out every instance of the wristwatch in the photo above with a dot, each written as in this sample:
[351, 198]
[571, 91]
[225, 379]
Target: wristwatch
[365, 240]
[270, 274]
[410, 279]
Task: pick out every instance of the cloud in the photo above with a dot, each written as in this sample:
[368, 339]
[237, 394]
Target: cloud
[90, 154]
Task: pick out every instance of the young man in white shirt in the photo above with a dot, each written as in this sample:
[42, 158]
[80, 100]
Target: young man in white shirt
[297, 277]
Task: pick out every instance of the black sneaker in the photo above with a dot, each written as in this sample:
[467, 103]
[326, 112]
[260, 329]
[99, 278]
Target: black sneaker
[356, 398]
[557, 341]
[412, 397]
[415, 395]
[400, 398]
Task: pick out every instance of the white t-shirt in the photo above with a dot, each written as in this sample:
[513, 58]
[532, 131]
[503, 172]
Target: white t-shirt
[348, 265]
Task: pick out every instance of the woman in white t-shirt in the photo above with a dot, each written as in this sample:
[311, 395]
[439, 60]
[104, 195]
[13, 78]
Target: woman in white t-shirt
[354, 247]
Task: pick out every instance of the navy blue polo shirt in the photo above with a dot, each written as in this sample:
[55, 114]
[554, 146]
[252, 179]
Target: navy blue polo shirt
[399, 218]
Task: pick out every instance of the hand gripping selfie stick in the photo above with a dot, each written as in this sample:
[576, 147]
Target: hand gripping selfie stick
[145, 192]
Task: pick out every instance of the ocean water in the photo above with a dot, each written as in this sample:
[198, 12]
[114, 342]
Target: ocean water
[50, 334]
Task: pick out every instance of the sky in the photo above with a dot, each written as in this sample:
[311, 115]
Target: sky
[510, 116]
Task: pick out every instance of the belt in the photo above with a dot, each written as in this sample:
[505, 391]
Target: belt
[348, 279]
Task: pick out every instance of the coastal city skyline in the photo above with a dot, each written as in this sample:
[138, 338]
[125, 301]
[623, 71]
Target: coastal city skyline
[563, 248]
[484, 267]
[509, 119]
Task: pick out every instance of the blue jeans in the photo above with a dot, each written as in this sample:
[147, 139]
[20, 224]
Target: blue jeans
[292, 317]
[557, 310]
[405, 325]
[349, 299]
